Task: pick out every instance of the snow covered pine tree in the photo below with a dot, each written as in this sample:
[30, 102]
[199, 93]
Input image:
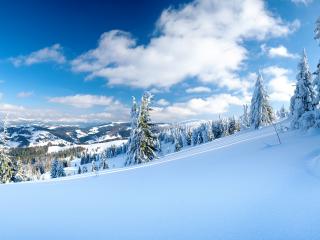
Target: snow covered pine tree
[261, 113]
[303, 99]
[143, 141]
[132, 143]
[244, 119]
[317, 72]
[57, 169]
[10, 170]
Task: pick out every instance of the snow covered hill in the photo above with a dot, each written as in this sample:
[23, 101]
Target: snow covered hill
[40, 135]
[244, 186]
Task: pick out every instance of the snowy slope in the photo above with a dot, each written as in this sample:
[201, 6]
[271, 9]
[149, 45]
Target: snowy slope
[239, 187]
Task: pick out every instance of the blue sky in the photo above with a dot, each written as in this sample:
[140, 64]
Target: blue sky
[81, 61]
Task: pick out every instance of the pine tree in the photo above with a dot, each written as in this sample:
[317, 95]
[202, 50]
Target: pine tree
[317, 73]
[219, 128]
[303, 99]
[282, 113]
[54, 169]
[245, 121]
[132, 143]
[232, 125]
[261, 113]
[105, 164]
[143, 142]
[8, 168]
[57, 169]
[317, 85]
[93, 166]
[60, 172]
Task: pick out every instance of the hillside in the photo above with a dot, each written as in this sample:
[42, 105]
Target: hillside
[245, 186]
[40, 135]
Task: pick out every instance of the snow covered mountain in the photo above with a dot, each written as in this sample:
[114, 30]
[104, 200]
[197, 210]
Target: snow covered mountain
[39, 135]
[244, 186]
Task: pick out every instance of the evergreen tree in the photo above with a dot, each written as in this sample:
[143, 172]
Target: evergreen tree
[245, 121]
[8, 168]
[219, 128]
[303, 99]
[195, 137]
[57, 169]
[261, 113]
[232, 126]
[132, 141]
[104, 164]
[282, 113]
[93, 166]
[143, 141]
[317, 73]
[317, 84]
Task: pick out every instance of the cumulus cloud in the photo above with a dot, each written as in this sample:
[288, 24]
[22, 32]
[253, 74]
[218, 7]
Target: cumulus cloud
[24, 94]
[279, 85]
[203, 40]
[18, 114]
[197, 107]
[84, 100]
[53, 53]
[162, 102]
[280, 51]
[198, 90]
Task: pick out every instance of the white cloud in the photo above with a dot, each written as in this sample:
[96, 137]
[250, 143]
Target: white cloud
[280, 51]
[53, 53]
[279, 86]
[198, 90]
[162, 102]
[197, 107]
[84, 100]
[203, 39]
[305, 2]
[16, 113]
[24, 94]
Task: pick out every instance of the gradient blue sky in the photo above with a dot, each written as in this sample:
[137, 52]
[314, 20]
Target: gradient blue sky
[51, 68]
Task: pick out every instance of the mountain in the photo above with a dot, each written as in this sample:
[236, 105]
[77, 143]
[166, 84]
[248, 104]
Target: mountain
[40, 135]
[244, 186]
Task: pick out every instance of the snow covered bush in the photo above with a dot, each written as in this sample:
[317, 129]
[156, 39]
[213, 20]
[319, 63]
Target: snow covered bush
[309, 119]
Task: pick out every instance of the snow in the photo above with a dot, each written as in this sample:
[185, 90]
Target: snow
[40, 138]
[93, 130]
[70, 170]
[103, 138]
[92, 148]
[80, 133]
[244, 186]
